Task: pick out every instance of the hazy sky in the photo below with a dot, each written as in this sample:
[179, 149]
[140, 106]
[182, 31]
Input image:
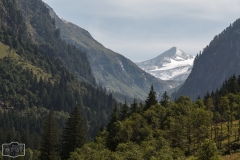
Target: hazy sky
[143, 29]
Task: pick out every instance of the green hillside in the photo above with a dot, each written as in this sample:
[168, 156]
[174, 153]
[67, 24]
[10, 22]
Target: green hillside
[42, 30]
[5, 51]
[33, 75]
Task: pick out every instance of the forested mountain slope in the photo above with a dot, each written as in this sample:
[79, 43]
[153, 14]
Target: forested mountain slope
[42, 30]
[34, 75]
[110, 69]
[217, 62]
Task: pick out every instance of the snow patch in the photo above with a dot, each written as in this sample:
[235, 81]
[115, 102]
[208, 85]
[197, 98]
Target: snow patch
[120, 63]
[174, 64]
[179, 58]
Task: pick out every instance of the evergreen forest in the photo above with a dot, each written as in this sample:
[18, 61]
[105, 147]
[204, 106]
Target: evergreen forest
[207, 129]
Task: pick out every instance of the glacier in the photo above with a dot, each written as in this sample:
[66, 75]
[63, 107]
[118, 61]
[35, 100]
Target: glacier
[173, 64]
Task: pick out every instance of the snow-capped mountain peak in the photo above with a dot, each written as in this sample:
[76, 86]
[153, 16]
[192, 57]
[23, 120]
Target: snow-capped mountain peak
[173, 64]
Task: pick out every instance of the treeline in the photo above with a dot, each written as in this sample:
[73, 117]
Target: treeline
[122, 98]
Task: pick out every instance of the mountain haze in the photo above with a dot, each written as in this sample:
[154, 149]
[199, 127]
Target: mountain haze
[173, 64]
[110, 69]
[217, 62]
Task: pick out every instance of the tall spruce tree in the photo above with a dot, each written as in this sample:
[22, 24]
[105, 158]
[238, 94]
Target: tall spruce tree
[134, 106]
[74, 134]
[124, 113]
[49, 141]
[112, 139]
[165, 99]
[151, 100]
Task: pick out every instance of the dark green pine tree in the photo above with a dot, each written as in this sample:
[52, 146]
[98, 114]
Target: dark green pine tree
[233, 84]
[151, 100]
[124, 111]
[141, 107]
[112, 139]
[49, 140]
[165, 99]
[74, 134]
[134, 106]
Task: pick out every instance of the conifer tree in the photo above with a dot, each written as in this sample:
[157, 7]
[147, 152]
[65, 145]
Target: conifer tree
[114, 117]
[112, 139]
[134, 106]
[151, 100]
[223, 107]
[141, 107]
[49, 141]
[124, 111]
[165, 99]
[74, 134]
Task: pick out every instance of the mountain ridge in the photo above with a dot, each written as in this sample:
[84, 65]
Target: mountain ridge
[110, 69]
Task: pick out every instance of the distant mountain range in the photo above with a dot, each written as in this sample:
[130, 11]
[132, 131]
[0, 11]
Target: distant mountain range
[173, 64]
[110, 69]
[217, 62]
